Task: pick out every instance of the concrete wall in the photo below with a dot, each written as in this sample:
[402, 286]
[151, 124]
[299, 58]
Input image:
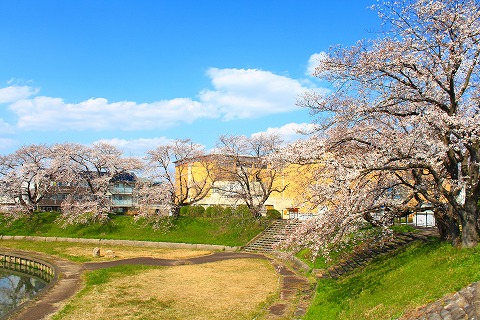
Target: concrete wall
[133, 243]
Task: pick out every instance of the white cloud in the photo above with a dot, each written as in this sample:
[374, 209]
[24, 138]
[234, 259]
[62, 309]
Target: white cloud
[314, 61]
[236, 94]
[291, 131]
[136, 147]
[45, 113]
[250, 93]
[14, 93]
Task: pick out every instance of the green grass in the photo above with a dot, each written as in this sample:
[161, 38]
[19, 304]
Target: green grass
[384, 289]
[340, 252]
[400, 228]
[102, 276]
[231, 232]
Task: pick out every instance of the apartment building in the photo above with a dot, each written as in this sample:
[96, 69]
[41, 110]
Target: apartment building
[120, 194]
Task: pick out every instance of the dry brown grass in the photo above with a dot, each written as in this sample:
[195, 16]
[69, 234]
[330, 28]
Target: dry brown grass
[85, 251]
[124, 252]
[232, 289]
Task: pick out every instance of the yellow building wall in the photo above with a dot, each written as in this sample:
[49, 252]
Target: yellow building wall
[294, 179]
[294, 199]
[189, 174]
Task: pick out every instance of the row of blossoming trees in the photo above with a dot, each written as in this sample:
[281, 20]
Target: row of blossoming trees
[34, 172]
[164, 183]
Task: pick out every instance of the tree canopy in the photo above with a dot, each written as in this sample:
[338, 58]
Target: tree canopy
[401, 125]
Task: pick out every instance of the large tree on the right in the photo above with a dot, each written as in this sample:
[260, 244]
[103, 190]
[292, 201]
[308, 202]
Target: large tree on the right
[404, 113]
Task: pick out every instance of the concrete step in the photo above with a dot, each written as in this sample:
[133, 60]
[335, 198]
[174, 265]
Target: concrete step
[271, 236]
[362, 258]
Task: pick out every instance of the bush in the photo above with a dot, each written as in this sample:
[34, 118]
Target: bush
[192, 211]
[215, 211]
[273, 214]
[196, 211]
[184, 211]
[228, 211]
[242, 211]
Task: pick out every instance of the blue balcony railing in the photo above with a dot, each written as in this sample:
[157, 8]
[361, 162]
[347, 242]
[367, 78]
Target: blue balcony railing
[122, 203]
[121, 190]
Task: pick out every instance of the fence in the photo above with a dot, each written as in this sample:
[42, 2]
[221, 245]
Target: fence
[31, 266]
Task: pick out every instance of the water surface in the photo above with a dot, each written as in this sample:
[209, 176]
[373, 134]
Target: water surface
[16, 288]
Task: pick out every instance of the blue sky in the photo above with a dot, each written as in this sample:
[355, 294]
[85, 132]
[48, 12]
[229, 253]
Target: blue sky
[137, 73]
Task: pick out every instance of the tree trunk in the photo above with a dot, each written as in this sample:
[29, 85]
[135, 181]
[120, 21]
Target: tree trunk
[255, 211]
[448, 226]
[176, 212]
[469, 218]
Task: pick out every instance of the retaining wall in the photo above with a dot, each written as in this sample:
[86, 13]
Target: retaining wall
[133, 243]
[28, 265]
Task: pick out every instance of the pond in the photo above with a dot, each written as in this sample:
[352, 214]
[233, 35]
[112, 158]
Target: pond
[17, 287]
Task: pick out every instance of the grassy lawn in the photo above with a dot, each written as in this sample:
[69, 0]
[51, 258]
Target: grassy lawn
[236, 289]
[362, 237]
[231, 232]
[419, 274]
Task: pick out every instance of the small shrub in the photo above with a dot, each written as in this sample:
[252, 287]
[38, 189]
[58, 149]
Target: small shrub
[184, 211]
[228, 211]
[273, 214]
[193, 211]
[214, 211]
[242, 211]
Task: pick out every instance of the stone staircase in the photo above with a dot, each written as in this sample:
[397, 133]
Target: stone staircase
[296, 291]
[272, 235]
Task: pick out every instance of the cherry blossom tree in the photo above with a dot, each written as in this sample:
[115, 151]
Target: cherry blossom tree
[153, 202]
[88, 170]
[169, 170]
[26, 177]
[401, 124]
[242, 170]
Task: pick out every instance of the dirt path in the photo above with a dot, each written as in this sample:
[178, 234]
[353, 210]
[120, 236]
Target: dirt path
[216, 256]
[67, 283]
